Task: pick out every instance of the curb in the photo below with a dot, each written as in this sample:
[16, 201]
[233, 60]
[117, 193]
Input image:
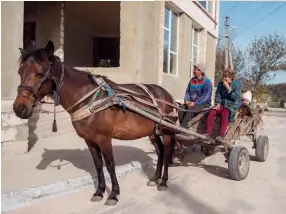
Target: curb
[19, 198]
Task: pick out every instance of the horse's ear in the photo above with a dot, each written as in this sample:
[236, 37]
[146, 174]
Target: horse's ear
[50, 48]
[21, 51]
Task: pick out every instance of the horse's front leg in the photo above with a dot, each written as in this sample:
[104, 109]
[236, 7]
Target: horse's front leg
[97, 158]
[106, 148]
[167, 154]
[156, 141]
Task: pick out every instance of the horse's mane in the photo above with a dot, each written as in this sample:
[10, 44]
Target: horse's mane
[37, 54]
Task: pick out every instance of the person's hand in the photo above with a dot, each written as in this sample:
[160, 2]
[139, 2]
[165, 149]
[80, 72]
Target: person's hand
[217, 107]
[187, 102]
[191, 104]
[225, 84]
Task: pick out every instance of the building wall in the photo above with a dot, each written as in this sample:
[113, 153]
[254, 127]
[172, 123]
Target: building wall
[140, 43]
[12, 14]
[151, 43]
[210, 56]
[191, 16]
[194, 12]
[141, 53]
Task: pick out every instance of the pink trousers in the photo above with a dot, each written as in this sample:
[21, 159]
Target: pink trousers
[224, 114]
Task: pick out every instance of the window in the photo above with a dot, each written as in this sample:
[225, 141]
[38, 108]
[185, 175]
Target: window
[209, 6]
[29, 35]
[106, 52]
[170, 64]
[203, 3]
[194, 49]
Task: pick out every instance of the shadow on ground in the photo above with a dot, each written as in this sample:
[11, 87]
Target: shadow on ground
[194, 159]
[187, 199]
[82, 159]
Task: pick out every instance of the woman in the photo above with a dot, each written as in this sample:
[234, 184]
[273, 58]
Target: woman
[227, 100]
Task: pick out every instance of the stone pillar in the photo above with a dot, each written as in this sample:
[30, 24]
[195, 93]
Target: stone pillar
[12, 21]
[12, 25]
[131, 33]
[152, 42]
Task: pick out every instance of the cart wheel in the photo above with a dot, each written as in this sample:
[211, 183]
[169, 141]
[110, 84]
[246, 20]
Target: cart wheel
[262, 147]
[238, 163]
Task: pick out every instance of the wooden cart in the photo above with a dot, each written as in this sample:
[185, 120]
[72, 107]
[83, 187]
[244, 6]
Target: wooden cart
[246, 123]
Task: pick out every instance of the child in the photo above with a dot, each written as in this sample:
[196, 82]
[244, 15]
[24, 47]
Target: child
[246, 107]
[246, 99]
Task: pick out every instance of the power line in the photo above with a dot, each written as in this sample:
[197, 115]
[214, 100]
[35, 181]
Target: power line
[255, 12]
[262, 19]
[233, 7]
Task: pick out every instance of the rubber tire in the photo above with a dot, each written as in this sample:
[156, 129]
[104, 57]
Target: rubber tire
[261, 142]
[233, 163]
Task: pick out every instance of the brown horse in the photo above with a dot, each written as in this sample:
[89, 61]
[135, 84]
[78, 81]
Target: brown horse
[42, 74]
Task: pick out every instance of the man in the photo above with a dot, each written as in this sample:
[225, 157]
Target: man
[198, 94]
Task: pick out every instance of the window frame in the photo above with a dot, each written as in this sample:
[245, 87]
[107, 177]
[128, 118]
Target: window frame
[169, 51]
[192, 48]
[212, 13]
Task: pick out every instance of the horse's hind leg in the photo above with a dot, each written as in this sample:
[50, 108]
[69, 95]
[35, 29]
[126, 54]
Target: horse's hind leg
[156, 141]
[97, 158]
[106, 149]
[173, 145]
[167, 155]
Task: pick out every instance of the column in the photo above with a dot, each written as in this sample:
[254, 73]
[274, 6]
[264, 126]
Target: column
[12, 16]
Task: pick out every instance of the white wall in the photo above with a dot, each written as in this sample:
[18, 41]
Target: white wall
[193, 11]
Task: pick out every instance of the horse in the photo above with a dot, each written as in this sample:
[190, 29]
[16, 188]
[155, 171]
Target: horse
[44, 74]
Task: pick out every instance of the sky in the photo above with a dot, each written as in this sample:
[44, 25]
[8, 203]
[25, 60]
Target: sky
[244, 14]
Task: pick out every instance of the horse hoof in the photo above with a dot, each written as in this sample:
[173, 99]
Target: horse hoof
[96, 198]
[162, 188]
[151, 183]
[110, 202]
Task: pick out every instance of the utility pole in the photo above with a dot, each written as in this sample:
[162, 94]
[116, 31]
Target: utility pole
[228, 56]
[226, 65]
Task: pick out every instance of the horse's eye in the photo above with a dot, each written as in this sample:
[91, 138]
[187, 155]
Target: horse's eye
[40, 75]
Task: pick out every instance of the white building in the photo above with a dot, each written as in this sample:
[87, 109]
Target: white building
[148, 42]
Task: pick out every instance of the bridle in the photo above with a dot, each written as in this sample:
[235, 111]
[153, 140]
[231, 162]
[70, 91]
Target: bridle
[47, 77]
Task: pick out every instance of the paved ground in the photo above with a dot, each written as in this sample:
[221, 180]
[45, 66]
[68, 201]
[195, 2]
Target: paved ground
[197, 187]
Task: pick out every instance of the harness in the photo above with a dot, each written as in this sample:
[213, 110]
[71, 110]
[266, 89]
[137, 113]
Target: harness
[97, 103]
[47, 76]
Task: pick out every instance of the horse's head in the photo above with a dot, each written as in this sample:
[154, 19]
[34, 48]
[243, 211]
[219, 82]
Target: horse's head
[36, 82]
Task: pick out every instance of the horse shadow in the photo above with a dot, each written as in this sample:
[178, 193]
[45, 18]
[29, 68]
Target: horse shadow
[82, 159]
[195, 159]
[32, 126]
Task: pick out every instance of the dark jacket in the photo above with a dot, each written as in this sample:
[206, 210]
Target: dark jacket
[230, 100]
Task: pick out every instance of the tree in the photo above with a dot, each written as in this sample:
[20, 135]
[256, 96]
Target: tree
[266, 56]
[237, 59]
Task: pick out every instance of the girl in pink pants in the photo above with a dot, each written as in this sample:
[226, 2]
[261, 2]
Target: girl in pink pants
[227, 100]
